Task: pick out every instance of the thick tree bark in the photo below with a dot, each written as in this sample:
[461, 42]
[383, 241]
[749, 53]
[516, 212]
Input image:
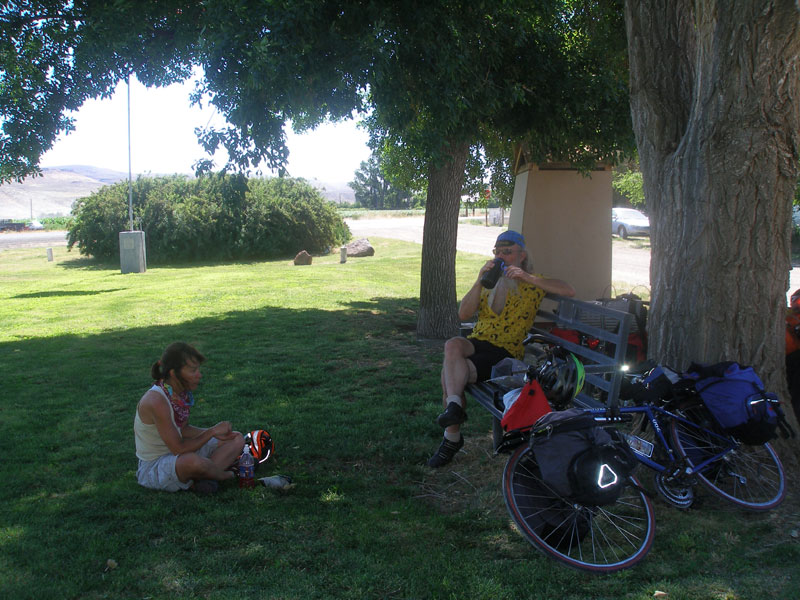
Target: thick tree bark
[437, 295]
[715, 99]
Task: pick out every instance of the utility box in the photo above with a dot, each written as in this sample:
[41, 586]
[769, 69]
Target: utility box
[565, 217]
[132, 254]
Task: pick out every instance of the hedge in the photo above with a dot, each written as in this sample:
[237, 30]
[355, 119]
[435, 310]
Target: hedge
[214, 217]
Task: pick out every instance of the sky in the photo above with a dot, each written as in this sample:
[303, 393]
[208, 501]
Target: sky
[163, 139]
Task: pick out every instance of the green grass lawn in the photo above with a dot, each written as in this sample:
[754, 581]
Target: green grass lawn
[325, 358]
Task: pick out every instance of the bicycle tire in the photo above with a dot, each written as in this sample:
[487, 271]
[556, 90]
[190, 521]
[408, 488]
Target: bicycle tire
[751, 477]
[596, 539]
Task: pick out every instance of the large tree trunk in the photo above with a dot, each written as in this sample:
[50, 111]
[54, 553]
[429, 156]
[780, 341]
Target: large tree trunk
[716, 112]
[437, 293]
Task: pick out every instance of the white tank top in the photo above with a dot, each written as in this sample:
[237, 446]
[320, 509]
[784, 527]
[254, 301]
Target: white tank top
[149, 444]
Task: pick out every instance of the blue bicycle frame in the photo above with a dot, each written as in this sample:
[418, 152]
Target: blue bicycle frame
[722, 443]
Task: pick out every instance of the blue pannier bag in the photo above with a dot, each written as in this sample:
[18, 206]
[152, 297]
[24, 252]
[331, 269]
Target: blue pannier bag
[735, 397]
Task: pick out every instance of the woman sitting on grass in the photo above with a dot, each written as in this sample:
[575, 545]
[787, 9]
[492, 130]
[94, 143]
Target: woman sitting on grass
[174, 455]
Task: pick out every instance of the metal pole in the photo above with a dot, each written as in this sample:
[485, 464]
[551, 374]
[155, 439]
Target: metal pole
[130, 172]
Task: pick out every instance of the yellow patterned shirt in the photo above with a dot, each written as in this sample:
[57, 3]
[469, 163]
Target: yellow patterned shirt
[508, 329]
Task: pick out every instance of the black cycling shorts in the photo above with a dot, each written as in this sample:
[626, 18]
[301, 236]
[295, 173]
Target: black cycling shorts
[486, 356]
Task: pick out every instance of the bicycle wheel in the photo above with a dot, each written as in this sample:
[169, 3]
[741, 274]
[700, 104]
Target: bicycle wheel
[750, 477]
[599, 539]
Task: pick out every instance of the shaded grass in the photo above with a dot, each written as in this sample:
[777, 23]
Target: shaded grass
[325, 357]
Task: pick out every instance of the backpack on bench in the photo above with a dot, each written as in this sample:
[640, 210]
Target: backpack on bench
[579, 460]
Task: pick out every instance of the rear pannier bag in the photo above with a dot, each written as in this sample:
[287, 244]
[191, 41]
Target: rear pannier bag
[735, 397]
[553, 519]
[580, 460]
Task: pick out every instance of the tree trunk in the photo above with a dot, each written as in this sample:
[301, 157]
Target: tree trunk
[716, 112]
[437, 295]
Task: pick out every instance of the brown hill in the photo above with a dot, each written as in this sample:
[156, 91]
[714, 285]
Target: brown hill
[53, 193]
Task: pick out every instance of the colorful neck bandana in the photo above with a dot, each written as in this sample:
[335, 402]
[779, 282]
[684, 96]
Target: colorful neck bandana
[180, 403]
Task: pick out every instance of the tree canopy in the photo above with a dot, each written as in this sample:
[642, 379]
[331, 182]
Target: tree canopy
[55, 55]
[433, 78]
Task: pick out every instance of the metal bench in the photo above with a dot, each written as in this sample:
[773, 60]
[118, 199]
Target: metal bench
[603, 371]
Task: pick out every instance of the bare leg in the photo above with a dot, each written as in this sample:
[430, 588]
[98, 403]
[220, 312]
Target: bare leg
[457, 372]
[193, 466]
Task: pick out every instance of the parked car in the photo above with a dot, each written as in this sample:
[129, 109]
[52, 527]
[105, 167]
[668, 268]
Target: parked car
[629, 221]
[34, 225]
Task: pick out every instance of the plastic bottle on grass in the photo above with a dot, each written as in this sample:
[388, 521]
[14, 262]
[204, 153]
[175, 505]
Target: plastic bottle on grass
[247, 469]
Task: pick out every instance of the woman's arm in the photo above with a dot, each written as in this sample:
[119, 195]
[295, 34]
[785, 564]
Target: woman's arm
[155, 409]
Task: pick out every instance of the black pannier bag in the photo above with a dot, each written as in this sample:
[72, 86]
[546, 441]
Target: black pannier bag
[555, 520]
[579, 460]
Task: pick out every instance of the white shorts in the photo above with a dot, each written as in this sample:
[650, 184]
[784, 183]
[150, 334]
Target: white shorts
[160, 474]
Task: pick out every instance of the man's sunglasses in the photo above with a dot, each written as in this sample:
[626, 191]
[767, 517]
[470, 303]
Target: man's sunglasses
[503, 251]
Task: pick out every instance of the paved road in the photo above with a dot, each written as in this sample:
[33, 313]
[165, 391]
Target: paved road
[628, 264]
[32, 239]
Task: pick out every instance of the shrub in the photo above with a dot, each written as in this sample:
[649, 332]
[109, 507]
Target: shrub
[97, 221]
[285, 216]
[56, 222]
[215, 217]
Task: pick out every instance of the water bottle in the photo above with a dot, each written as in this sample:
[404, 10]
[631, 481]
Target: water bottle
[490, 278]
[247, 469]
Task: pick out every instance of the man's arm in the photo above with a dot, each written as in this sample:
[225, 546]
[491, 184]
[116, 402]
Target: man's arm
[472, 299]
[551, 286]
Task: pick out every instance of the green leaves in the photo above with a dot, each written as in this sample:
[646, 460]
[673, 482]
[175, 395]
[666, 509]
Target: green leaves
[551, 71]
[629, 183]
[216, 217]
[374, 189]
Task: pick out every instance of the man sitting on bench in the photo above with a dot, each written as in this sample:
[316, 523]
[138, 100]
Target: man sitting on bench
[505, 314]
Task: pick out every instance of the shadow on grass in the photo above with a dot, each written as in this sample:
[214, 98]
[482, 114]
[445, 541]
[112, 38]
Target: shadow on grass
[55, 293]
[348, 396]
[88, 264]
[95, 264]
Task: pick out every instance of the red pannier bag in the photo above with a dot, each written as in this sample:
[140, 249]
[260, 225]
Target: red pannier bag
[526, 410]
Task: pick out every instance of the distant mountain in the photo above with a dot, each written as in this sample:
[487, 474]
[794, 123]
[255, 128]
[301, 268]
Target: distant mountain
[338, 192]
[53, 194]
[106, 176]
